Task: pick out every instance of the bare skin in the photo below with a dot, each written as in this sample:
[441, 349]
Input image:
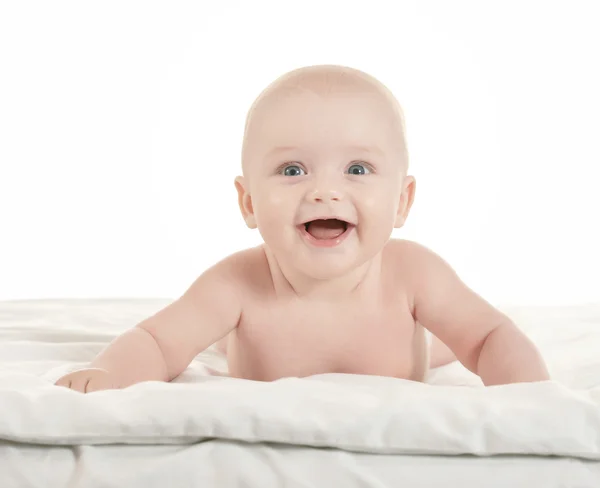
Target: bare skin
[325, 182]
[366, 331]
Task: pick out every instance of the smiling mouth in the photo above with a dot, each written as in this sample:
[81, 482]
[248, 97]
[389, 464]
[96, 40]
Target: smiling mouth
[326, 232]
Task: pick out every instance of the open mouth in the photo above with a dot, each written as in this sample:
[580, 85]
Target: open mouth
[326, 232]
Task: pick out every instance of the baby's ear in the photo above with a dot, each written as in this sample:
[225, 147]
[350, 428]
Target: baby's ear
[406, 200]
[245, 202]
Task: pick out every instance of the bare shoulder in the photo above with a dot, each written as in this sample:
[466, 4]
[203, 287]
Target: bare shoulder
[241, 270]
[411, 255]
[419, 267]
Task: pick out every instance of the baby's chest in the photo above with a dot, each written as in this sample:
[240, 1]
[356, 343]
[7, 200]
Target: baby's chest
[312, 339]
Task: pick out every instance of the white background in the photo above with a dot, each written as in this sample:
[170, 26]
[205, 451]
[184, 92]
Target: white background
[121, 125]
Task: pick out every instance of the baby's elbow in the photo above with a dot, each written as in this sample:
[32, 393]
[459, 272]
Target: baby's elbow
[162, 361]
[471, 357]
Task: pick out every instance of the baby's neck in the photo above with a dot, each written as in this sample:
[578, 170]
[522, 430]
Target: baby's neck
[363, 281]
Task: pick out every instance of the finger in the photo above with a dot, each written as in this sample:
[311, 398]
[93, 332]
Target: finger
[99, 384]
[78, 383]
[65, 381]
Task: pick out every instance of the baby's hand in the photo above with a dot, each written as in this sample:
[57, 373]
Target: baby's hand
[88, 380]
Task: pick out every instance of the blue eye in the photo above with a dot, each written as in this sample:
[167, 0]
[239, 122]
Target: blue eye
[358, 169]
[293, 170]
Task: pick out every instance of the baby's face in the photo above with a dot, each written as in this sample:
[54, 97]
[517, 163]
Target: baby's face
[326, 179]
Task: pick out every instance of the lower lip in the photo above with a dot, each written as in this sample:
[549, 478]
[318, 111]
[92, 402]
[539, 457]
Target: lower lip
[325, 242]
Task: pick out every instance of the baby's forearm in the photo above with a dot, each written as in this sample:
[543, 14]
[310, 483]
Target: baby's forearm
[133, 357]
[508, 356]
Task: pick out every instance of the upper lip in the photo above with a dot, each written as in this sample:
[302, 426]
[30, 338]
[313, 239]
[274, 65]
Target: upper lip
[327, 217]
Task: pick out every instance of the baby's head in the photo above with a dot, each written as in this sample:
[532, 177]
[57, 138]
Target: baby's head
[325, 169]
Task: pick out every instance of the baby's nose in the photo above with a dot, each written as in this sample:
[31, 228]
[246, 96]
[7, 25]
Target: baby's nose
[324, 196]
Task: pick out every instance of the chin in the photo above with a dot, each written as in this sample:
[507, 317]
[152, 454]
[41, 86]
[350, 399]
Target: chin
[328, 267]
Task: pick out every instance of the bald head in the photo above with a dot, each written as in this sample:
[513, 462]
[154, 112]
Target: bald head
[323, 81]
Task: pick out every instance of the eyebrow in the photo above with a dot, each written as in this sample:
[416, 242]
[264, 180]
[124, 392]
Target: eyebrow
[280, 149]
[362, 149]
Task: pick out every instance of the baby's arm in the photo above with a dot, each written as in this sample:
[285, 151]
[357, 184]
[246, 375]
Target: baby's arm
[483, 339]
[162, 346]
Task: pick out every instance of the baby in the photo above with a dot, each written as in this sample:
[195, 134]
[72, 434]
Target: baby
[325, 182]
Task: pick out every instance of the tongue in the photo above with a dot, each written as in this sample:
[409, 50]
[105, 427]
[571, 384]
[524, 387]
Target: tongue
[326, 229]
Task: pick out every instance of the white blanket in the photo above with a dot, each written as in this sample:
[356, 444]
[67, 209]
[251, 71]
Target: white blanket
[453, 415]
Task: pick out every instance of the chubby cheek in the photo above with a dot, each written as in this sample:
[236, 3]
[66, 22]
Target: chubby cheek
[273, 211]
[378, 212]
